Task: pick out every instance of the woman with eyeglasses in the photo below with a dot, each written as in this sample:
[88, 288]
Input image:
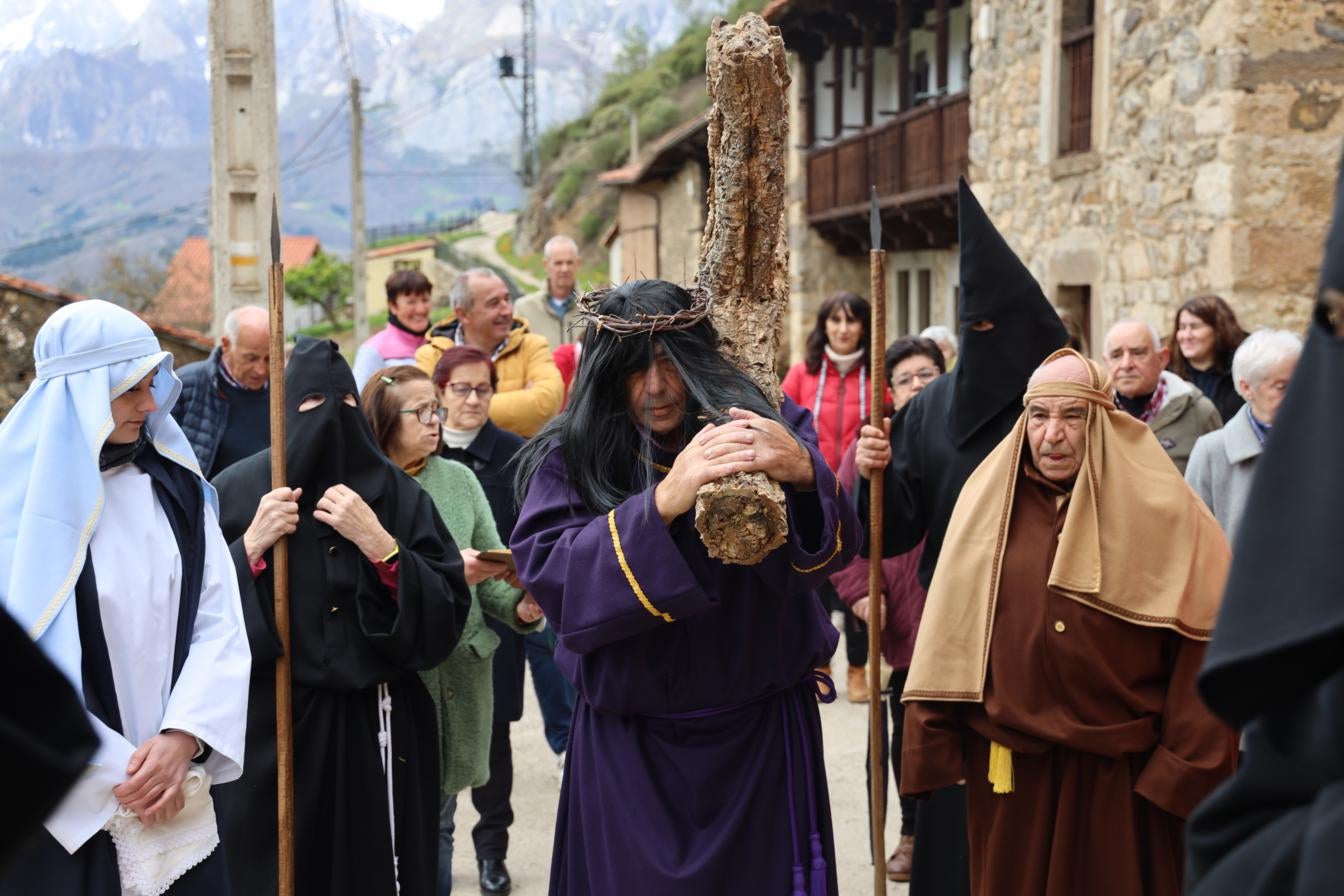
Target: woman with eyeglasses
[911, 363]
[466, 380]
[403, 409]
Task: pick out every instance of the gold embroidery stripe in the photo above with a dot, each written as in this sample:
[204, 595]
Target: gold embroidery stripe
[629, 575]
[829, 558]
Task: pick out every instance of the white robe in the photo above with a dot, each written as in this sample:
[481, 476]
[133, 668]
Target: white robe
[139, 571]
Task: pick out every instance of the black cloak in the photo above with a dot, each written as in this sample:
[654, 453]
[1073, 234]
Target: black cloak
[939, 438]
[45, 737]
[349, 634]
[1276, 662]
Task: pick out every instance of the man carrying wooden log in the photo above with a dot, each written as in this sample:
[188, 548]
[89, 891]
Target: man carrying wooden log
[695, 762]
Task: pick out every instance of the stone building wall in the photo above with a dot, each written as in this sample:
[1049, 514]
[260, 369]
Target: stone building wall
[681, 222]
[1216, 138]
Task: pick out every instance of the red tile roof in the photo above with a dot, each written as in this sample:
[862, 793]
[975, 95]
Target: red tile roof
[186, 298]
[60, 296]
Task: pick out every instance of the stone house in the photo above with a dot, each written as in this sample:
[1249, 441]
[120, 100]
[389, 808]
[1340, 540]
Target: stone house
[661, 208]
[26, 305]
[415, 255]
[879, 98]
[186, 299]
[1134, 152]
[1137, 153]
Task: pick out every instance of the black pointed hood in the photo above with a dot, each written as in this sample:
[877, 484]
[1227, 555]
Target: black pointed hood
[993, 366]
[1332, 266]
[332, 443]
[1281, 628]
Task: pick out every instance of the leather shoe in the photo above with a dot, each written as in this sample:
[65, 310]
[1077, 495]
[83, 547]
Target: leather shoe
[898, 866]
[856, 685]
[494, 876]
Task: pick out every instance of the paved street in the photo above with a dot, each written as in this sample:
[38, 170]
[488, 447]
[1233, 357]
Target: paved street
[536, 791]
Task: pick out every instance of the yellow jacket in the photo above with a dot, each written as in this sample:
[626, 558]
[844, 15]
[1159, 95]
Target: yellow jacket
[530, 389]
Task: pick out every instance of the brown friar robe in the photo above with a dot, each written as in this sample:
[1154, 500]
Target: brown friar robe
[1112, 747]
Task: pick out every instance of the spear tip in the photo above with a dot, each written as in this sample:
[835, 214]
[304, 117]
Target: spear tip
[275, 230]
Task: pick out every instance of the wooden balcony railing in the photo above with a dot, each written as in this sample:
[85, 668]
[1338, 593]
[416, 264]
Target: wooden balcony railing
[1076, 122]
[917, 154]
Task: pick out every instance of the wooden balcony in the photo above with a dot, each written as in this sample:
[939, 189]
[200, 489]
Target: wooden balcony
[914, 160]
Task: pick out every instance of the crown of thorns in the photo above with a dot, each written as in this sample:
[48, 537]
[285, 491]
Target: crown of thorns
[701, 302]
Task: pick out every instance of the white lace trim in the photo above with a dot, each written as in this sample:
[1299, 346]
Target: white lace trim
[150, 860]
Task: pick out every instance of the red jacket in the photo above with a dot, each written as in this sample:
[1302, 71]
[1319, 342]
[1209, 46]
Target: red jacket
[842, 411]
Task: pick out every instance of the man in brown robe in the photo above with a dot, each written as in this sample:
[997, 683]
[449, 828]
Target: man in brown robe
[1055, 666]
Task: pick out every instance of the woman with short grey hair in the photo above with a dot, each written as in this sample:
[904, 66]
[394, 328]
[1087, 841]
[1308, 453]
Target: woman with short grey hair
[1223, 462]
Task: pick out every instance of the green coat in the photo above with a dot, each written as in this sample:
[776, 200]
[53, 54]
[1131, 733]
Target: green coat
[462, 686]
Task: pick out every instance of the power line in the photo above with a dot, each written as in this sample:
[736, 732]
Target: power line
[336, 110]
[343, 37]
[447, 172]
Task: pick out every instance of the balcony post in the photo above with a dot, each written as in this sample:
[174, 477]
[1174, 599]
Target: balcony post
[941, 46]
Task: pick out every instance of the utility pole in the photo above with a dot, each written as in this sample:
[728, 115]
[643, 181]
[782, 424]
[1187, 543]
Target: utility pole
[244, 150]
[529, 162]
[358, 289]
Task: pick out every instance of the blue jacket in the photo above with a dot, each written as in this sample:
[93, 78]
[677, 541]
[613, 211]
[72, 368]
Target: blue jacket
[202, 410]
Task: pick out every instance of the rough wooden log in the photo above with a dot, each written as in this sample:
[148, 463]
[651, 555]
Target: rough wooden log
[744, 259]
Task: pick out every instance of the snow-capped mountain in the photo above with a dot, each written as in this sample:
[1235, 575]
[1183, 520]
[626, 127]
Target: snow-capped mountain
[75, 74]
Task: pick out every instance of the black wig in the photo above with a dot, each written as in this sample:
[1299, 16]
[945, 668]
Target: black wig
[606, 452]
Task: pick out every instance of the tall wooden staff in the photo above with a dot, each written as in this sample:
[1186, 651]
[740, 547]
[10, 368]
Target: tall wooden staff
[284, 713]
[877, 282]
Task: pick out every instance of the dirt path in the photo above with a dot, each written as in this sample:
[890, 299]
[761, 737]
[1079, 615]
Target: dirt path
[495, 224]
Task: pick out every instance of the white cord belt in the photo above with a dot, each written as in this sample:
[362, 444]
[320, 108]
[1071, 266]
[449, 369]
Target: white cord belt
[385, 753]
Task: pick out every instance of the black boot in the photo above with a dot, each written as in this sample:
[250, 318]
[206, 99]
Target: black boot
[494, 876]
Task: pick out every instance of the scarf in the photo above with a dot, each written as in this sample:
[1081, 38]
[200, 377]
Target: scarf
[115, 455]
[393, 321]
[1128, 501]
[844, 363]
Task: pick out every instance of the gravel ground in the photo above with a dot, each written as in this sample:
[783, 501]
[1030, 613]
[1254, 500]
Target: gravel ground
[536, 791]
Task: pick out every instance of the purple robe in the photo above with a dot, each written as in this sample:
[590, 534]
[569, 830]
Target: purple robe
[695, 760]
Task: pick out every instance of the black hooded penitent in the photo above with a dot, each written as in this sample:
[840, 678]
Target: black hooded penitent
[350, 633]
[1275, 666]
[939, 438]
[943, 434]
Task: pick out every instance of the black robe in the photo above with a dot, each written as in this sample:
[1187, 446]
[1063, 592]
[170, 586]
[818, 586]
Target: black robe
[45, 738]
[1276, 661]
[348, 635]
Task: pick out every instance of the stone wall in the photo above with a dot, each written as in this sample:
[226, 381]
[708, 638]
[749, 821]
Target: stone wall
[681, 221]
[1216, 137]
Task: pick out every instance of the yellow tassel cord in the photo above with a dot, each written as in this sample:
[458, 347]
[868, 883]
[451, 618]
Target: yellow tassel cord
[1000, 767]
